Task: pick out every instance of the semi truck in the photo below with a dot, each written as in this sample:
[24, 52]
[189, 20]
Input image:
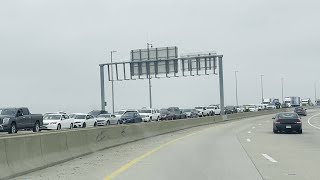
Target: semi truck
[293, 101]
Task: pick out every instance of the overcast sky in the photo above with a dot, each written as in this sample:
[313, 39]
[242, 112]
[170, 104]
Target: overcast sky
[50, 50]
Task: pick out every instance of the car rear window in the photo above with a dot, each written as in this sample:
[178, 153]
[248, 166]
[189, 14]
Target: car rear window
[288, 116]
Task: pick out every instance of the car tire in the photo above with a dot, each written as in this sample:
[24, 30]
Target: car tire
[84, 125]
[300, 131]
[108, 123]
[13, 128]
[36, 127]
[71, 126]
[275, 131]
[59, 127]
[95, 124]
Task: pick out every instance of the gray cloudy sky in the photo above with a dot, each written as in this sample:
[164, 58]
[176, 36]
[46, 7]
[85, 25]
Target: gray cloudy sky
[50, 50]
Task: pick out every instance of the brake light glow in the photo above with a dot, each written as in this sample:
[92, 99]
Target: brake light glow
[277, 121]
[298, 121]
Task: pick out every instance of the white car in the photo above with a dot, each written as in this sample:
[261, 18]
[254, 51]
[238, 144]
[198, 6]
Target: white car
[253, 108]
[215, 109]
[107, 119]
[57, 121]
[149, 115]
[240, 109]
[203, 111]
[270, 107]
[84, 120]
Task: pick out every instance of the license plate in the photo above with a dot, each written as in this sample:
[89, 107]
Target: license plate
[288, 126]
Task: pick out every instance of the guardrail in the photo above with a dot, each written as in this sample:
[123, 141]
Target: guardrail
[23, 154]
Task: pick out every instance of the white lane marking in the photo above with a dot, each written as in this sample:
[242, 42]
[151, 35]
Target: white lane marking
[249, 132]
[253, 127]
[310, 122]
[249, 140]
[269, 158]
[260, 124]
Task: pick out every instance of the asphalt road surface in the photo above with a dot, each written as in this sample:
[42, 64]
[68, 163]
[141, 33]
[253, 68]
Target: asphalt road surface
[244, 149]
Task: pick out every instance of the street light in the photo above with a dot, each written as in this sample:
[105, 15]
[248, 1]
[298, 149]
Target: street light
[262, 87]
[282, 79]
[235, 73]
[149, 77]
[315, 93]
[112, 88]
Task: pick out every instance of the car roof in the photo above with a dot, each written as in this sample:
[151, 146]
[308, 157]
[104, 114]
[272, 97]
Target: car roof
[80, 114]
[55, 114]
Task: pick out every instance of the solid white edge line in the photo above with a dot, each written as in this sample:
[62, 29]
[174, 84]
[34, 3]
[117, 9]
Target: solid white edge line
[253, 127]
[269, 158]
[310, 122]
[249, 140]
[249, 132]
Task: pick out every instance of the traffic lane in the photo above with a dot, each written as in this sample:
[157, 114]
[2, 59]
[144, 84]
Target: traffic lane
[212, 154]
[103, 163]
[283, 156]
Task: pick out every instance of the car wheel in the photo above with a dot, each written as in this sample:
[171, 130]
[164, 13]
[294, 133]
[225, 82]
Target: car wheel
[71, 126]
[36, 127]
[108, 123]
[275, 131]
[84, 125]
[95, 124]
[13, 128]
[59, 127]
[300, 131]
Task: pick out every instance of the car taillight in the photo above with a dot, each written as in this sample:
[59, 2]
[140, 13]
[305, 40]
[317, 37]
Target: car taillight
[277, 121]
[298, 121]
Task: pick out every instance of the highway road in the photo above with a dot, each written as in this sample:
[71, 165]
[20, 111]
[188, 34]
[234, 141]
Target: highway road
[243, 149]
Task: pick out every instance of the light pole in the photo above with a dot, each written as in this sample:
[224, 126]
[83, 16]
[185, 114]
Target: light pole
[112, 88]
[315, 93]
[262, 87]
[282, 79]
[149, 77]
[235, 73]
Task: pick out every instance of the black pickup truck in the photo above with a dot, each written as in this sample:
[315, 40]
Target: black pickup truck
[13, 119]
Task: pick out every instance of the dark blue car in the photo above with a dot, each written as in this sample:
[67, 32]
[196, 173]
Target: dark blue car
[130, 117]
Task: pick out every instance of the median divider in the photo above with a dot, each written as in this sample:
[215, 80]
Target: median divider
[23, 154]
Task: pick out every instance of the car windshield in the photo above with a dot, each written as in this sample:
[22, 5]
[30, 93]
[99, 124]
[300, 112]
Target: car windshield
[288, 116]
[198, 107]
[186, 110]
[128, 114]
[104, 116]
[52, 117]
[144, 111]
[10, 111]
[80, 116]
[120, 112]
[72, 115]
[211, 107]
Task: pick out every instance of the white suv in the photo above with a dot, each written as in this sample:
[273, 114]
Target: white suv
[203, 111]
[149, 114]
[214, 109]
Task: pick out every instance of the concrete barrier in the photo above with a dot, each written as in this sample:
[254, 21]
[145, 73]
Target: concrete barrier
[5, 170]
[23, 154]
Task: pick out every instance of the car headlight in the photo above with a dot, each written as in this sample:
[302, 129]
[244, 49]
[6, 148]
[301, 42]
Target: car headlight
[6, 120]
